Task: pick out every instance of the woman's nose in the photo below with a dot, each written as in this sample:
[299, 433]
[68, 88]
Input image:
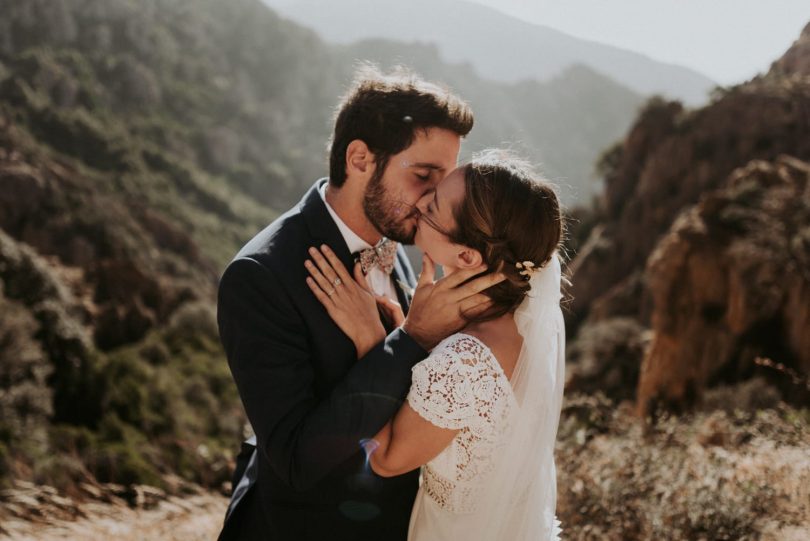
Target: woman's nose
[424, 201]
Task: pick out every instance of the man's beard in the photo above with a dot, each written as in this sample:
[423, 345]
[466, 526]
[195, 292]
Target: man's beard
[386, 215]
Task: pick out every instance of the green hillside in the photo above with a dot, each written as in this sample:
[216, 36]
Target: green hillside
[140, 144]
[143, 142]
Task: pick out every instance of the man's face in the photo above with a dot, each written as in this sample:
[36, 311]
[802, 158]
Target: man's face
[391, 195]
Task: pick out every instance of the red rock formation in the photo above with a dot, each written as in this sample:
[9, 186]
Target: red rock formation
[670, 158]
[731, 282]
[715, 296]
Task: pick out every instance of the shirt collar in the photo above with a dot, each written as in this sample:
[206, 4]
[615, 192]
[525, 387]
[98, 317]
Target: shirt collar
[353, 241]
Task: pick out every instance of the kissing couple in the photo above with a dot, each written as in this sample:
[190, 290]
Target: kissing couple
[386, 408]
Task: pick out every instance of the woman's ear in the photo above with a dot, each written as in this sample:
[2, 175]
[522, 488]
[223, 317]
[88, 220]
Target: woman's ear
[359, 160]
[468, 258]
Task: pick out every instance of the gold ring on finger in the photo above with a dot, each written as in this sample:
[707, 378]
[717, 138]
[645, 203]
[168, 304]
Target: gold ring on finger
[331, 292]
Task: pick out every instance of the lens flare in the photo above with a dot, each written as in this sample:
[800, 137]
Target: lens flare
[369, 445]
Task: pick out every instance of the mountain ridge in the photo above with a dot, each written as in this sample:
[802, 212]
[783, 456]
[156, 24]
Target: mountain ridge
[474, 39]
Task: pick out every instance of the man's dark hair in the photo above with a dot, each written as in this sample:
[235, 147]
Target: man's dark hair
[385, 110]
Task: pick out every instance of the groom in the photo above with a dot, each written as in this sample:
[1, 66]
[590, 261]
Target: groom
[308, 397]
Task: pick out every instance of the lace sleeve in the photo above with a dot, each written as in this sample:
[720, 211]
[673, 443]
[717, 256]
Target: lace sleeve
[456, 385]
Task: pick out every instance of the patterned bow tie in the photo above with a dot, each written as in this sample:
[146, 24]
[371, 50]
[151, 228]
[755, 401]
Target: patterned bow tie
[382, 255]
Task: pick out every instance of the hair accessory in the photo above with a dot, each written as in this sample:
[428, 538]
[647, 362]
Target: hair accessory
[407, 119]
[527, 268]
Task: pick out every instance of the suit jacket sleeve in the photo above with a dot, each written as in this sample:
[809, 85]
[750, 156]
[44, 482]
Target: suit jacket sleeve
[267, 345]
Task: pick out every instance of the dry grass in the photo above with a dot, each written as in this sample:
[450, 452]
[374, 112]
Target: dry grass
[196, 517]
[714, 475]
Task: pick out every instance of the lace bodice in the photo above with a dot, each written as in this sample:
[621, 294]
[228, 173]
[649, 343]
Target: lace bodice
[461, 386]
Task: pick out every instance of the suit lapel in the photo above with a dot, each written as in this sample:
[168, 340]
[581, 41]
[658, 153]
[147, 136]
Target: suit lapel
[322, 227]
[402, 278]
[324, 230]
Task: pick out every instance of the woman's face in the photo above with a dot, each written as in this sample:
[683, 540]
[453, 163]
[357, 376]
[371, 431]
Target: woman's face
[437, 220]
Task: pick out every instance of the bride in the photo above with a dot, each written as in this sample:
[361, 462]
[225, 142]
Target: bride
[482, 412]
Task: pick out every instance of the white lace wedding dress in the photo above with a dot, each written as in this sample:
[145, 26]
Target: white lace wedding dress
[462, 386]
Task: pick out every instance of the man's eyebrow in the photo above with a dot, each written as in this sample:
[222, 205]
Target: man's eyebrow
[427, 165]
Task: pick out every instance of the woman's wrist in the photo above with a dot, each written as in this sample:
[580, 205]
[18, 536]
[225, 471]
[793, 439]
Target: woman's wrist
[366, 343]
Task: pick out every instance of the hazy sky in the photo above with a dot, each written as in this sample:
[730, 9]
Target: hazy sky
[727, 40]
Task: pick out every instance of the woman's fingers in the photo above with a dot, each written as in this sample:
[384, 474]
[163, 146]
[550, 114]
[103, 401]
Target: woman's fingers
[386, 302]
[360, 278]
[337, 264]
[326, 269]
[319, 294]
[392, 308]
[325, 285]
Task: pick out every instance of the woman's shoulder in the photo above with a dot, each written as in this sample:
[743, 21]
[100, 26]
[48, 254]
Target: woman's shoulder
[460, 356]
[463, 346]
[459, 382]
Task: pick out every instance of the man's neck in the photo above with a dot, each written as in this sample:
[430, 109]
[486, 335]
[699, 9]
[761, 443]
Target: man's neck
[349, 206]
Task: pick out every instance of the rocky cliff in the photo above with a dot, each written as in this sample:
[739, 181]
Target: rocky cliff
[702, 238]
[730, 284]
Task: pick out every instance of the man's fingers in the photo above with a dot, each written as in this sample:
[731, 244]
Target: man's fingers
[428, 274]
[460, 276]
[472, 306]
[481, 283]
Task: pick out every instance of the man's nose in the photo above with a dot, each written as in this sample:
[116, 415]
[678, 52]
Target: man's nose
[424, 201]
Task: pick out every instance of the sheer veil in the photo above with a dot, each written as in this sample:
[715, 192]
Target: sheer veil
[522, 500]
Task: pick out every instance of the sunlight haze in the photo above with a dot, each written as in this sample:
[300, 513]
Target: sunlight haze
[727, 40]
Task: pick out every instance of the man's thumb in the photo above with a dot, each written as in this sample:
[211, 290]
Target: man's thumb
[428, 274]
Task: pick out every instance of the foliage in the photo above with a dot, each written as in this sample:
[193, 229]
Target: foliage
[25, 399]
[606, 356]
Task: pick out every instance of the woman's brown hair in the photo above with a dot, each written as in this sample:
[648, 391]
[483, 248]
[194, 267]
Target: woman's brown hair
[510, 216]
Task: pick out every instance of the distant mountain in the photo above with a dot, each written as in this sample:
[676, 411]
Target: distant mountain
[498, 46]
[561, 124]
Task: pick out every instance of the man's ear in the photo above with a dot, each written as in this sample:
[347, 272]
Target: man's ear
[468, 258]
[359, 160]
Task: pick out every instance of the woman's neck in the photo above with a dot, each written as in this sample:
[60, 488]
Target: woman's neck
[505, 322]
[502, 338]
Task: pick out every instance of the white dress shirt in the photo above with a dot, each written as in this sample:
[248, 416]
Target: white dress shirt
[380, 282]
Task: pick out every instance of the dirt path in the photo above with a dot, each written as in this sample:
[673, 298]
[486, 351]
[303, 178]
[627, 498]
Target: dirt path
[192, 518]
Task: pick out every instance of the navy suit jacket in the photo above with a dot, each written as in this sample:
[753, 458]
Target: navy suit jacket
[308, 397]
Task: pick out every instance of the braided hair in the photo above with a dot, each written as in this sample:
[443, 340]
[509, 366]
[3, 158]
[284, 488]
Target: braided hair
[510, 216]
